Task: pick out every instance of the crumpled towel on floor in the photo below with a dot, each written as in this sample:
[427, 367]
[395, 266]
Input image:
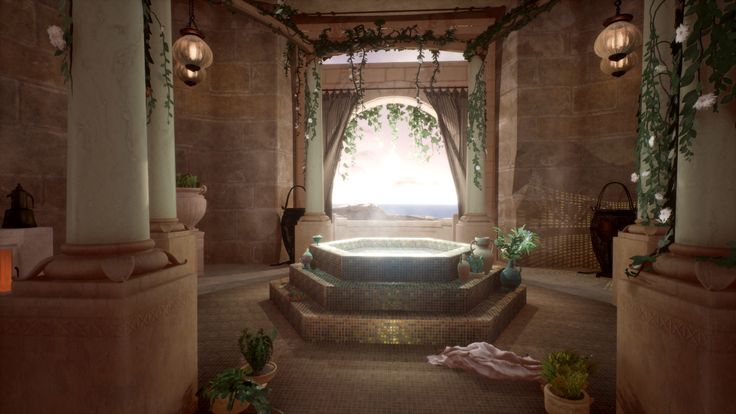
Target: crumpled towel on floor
[489, 361]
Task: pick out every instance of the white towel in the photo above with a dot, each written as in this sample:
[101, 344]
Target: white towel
[489, 361]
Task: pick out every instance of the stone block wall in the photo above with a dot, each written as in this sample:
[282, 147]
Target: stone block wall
[234, 132]
[33, 111]
[566, 129]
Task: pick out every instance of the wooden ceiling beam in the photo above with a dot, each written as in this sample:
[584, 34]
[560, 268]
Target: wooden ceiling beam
[255, 13]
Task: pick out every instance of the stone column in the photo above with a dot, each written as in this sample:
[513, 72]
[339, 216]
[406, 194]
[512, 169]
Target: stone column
[683, 309]
[475, 221]
[161, 154]
[107, 158]
[314, 220]
[85, 344]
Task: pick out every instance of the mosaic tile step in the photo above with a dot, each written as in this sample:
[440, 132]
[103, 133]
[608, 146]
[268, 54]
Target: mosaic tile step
[331, 293]
[315, 324]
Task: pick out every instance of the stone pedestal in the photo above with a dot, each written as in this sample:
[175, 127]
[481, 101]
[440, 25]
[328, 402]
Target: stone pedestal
[80, 347]
[28, 246]
[677, 347]
[199, 244]
[308, 226]
[471, 225]
[635, 240]
[183, 245]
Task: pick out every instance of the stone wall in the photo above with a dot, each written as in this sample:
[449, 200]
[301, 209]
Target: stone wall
[234, 132]
[33, 111]
[566, 129]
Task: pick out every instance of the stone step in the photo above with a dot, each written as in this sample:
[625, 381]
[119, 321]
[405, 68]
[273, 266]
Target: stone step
[316, 324]
[331, 293]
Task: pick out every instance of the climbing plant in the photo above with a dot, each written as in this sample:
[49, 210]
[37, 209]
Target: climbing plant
[423, 130]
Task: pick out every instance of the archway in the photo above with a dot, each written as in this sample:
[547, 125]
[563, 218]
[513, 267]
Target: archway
[390, 179]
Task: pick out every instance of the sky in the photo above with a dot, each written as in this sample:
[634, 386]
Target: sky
[387, 172]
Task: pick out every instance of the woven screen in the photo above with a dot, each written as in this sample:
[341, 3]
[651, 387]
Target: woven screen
[562, 220]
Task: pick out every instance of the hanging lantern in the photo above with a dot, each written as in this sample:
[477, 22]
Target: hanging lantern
[190, 50]
[619, 38]
[618, 68]
[189, 77]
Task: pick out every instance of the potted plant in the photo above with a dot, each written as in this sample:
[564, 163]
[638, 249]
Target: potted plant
[512, 247]
[231, 392]
[190, 202]
[257, 349]
[566, 374]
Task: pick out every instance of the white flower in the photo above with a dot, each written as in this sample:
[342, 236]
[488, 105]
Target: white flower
[634, 177]
[658, 196]
[671, 154]
[651, 141]
[660, 69]
[477, 168]
[664, 214]
[645, 173]
[705, 101]
[309, 120]
[681, 33]
[56, 37]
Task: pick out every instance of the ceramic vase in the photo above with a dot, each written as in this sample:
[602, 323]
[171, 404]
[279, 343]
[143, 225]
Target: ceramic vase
[190, 205]
[307, 259]
[483, 249]
[463, 268]
[317, 238]
[511, 275]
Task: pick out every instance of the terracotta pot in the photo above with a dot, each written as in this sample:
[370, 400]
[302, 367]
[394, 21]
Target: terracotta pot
[269, 371]
[220, 407]
[190, 205]
[463, 269]
[558, 405]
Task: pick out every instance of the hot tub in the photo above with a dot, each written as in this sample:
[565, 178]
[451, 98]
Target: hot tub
[390, 259]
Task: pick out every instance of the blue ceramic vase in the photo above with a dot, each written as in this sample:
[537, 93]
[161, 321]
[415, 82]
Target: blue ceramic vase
[511, 275]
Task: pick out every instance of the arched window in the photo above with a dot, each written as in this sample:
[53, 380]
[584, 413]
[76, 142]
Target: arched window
[392, 172]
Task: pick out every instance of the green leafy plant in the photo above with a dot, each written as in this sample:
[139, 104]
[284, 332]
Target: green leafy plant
[231, 385]
[256, 349]
[567, 374]
[187, 180]
[518, 242]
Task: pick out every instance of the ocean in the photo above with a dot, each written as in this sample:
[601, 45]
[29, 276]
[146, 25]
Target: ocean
[436, 211]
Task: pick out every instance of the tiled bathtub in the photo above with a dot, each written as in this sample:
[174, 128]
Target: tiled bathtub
[374, 259]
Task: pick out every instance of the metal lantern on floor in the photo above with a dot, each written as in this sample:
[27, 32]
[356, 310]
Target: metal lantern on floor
[619, 38]
[190, 50]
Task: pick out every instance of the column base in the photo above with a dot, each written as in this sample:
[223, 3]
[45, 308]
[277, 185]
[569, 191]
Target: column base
[634, 240]
[311, 224]
[166, 225]
[675, 344]
[95, 346]
[180, 244]
[471, 225]
[688, 263]
[116, 262]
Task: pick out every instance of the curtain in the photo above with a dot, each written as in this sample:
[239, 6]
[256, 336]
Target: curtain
[451, 106]
[337, 106]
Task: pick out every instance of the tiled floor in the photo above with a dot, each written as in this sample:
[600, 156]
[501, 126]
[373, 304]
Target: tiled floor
[564, 310]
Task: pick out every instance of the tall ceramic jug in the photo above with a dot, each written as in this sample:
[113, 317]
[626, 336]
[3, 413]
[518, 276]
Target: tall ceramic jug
[483, 249]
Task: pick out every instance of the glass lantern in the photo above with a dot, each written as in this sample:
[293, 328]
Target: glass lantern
[191, 50]
[617, 40]
[189, 77]
[618, 68]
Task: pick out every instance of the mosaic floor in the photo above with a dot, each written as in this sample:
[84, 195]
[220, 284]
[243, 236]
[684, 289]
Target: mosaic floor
[564, 310]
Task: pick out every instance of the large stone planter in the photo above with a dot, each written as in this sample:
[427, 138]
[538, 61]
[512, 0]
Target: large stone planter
[190, 205]
[558, 405]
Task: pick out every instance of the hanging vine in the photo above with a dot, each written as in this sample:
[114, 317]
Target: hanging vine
[476, 135]
[423, 130]
[151, 101]
[311, 105]
[61, 38]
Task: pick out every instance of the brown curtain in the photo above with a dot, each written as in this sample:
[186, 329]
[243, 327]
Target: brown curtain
[337, 106]
[451, 106]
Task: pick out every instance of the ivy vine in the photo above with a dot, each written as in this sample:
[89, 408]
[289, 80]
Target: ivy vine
[312, 104]
[423, 130]
[476, 135]
[66, 61]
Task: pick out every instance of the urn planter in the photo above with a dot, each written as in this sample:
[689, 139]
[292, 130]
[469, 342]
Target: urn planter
[190, 205]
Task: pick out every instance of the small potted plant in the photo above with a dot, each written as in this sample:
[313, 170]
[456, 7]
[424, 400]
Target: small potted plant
[566, 374]
[512, 247]
[190, 202]
[257, 349]
[231, 392]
